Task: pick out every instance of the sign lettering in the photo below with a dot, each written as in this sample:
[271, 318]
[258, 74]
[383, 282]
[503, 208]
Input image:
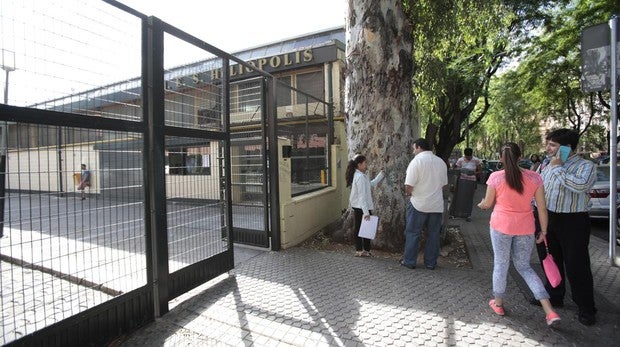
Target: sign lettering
[274, 62]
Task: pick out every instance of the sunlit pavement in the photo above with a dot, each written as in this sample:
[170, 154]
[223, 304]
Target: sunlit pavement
[303, 297]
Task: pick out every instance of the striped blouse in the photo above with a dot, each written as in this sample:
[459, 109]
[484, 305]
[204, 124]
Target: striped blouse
[567, 186]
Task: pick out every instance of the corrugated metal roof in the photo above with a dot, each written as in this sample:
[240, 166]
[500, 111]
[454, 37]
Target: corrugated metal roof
[129, 89]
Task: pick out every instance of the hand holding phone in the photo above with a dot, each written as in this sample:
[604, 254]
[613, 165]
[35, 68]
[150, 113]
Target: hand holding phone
[563, 153]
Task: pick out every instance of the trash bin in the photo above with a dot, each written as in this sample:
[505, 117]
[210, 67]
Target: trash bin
[462, 201]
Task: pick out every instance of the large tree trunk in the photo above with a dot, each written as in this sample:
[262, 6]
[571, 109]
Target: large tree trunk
[378, 105]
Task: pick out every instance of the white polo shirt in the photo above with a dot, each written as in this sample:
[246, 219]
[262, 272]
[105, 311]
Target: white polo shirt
[427, 174]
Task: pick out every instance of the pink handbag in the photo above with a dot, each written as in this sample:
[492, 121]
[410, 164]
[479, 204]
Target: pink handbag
[551, 269]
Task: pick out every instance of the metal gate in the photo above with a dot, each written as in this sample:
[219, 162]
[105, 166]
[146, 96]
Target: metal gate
[84, 266]
[175, 177]
[268, 111]
[249, 165]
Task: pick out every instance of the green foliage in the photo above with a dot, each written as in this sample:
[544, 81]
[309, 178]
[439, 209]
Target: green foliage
[458, 47]
[550, 71]
[510, 118]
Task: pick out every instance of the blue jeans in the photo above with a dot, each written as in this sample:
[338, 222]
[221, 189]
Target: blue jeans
[416, 221]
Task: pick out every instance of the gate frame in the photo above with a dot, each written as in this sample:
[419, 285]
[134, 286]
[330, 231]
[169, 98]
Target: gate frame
[103, 323]
[124, 314]
[273, 172]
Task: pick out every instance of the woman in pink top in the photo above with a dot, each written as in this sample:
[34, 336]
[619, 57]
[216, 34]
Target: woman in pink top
[512, 227]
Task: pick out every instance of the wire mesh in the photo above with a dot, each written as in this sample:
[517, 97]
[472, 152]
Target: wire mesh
[304, 121]
[196, 203]
[69, 246]
[66, 50]
[246, 102]
[193, 95]
[66, 250]
[81, 245]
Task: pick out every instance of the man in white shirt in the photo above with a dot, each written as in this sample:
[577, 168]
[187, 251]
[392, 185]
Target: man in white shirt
[426, 176]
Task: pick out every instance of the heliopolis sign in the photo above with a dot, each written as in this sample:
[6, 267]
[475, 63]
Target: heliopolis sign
[276, 62]
[280, 62]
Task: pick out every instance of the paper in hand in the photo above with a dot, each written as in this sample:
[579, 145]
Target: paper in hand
[368, 229]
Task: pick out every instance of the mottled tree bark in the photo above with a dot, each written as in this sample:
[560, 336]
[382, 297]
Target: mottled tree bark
[378, 106]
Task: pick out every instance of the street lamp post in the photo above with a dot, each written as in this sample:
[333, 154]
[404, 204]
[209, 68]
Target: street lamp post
[8, 65]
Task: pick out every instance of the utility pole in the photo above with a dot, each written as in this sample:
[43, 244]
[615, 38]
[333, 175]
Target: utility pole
[613, 150]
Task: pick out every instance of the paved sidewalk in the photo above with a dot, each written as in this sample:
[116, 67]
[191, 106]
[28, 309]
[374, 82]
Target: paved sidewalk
[301, 297]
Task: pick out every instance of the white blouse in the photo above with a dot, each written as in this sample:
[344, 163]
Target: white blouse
[361, 196]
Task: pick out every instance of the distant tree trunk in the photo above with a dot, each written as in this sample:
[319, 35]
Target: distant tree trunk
[378, 106]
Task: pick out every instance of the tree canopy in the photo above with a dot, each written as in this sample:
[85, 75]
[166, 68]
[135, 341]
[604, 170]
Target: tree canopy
[458, 47]
[543, 85]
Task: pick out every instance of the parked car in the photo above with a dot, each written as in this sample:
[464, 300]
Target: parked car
[599, 196]
[525, 163]
[488, 167]
[603, 160]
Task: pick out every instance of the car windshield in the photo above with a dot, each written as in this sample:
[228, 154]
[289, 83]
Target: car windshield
[602, 173]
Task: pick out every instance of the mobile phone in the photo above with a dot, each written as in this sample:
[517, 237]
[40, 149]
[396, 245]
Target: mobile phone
[564, 152]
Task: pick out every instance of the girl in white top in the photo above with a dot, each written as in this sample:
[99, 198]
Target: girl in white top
[361, 199]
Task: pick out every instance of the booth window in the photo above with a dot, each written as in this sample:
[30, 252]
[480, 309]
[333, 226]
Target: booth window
[283, 94]
[189, 161]
[311, 83]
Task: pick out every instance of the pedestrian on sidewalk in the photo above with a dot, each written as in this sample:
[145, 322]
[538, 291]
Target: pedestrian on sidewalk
[84, 181]
[512, 227]
[535, 158]
[567, 186]
[426, 176]
[470, 168]
[361, 198]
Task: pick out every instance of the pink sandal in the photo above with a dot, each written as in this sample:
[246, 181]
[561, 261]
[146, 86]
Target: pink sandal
[552, 318]
[497, 309]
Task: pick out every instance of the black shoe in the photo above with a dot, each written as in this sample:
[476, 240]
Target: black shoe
[402, 263]
[428, 267]
[586, 318]
[554, 302]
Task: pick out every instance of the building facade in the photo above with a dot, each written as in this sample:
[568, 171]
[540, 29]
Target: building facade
[309, 96]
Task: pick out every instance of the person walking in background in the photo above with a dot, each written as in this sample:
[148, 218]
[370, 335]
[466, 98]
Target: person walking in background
[470, 167]
[361, 198]
[512, 227]
[567, 186]
[426, 176]
[535, 162]
[84, 181]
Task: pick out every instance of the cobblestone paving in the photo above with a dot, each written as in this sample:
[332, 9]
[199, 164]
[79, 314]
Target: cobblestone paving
[302, 297]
